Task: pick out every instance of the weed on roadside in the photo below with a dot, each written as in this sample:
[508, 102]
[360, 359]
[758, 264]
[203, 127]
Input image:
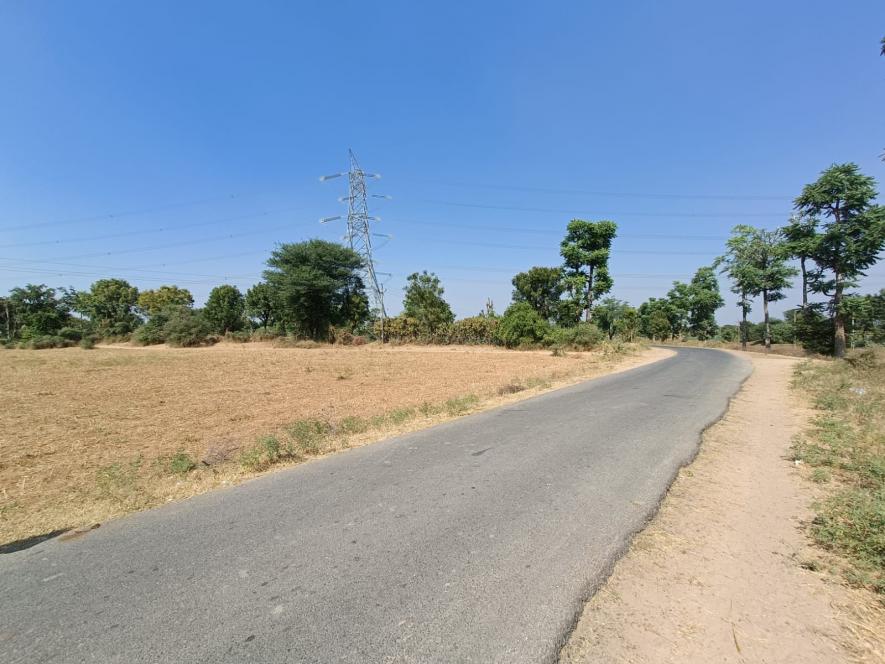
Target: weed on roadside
[181, 463]
[845, 446]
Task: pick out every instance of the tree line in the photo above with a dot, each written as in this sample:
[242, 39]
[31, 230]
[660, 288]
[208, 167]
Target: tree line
[314, 290]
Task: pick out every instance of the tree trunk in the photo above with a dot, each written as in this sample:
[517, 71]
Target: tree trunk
[587, 314]
[804, 282]
[743, 321]
[838, 319]
[767, 325]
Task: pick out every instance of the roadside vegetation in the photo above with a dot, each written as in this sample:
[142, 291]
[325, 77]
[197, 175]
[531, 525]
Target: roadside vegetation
[844, 449]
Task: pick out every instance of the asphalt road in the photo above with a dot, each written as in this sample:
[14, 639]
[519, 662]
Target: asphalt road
[473, 541]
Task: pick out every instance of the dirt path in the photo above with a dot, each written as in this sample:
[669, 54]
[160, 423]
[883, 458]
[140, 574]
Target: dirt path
[717, 575]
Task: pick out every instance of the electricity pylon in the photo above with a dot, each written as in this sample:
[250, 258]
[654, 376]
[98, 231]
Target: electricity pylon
[359, 234]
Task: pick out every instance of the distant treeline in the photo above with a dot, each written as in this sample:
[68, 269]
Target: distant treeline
[314, 290]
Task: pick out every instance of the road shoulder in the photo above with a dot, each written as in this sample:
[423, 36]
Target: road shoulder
[717, 575]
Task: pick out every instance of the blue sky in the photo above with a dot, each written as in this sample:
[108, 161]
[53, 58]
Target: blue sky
[169, 142]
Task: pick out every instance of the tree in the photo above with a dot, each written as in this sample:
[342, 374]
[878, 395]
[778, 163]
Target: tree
[801, 237]
[850, 237]
[314, 283]
[261, 304]
[677, 308]
[224, 309]
[521, 325]
[541, 287]
[704, 300]
[150, 302]
[586, 250]
[608, 315]
[628, 325]
[109, 304]
[38, 311]
[654, 319]
[424, 302]
[8, 322]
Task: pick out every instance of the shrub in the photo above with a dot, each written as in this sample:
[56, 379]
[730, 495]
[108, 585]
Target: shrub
[70, 333]
[474, 330]
[48, 341]
[87, 342]
[521, 325]
[400, 329]
[583, 336]
[186, 329]
[238, 337]
[359, 340]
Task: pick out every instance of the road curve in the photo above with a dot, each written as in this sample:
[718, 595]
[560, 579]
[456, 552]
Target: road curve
[473, 541]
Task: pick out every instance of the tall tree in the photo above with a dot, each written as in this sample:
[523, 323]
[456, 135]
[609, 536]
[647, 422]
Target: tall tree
[261, 304]
[225, 309]
[151, 302]
[424, 302]
[736, 264]
[109, 304]
[704, 300]
[851, 234]
[542, 288]
[801, 237]
[586, 249]
[315, 282]
[38, 310]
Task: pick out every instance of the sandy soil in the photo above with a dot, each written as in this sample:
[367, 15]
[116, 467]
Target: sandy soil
[717, 575]
[70, 414]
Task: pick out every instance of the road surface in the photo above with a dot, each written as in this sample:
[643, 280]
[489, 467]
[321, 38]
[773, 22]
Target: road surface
[476, 540]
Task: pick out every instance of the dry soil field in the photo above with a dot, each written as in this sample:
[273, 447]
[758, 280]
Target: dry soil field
[85, 435]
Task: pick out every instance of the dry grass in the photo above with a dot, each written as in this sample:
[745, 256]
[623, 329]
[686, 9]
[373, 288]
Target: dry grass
[85, 435]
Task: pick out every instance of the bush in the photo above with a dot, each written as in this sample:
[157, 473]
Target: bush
[186, 331]
[400, 329]
[238, 337]
[521, 325]
[48, 341]
[583, 336]
[87, 342]
[70, 333]
[474, 330]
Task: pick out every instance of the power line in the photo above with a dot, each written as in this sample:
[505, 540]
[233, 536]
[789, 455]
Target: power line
[124, 213]
[614, 194]
[149, 231]
[610, 215]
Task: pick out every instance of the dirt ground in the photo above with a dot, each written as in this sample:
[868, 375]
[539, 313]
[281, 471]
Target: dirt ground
[72, 419]
[718, 574]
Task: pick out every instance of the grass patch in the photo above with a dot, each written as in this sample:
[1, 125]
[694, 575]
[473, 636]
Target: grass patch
[460, 405]
[181, 463]
[119, 481]
[308, 436]
[846, 444]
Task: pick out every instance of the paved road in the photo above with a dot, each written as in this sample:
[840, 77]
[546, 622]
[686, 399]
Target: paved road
[473, 541]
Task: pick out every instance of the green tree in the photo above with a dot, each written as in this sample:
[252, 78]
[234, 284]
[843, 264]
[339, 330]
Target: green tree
[678, 308]
[586, 250]
[608, 315]
[628, 325]
[109, 304]
[737, 265]
[704, 300]
[654, 319]
[38, 310]
[424, 302]
[521, 325]
[8, 322]
[150, 302]
[541, 287]
[225, 309]
[851, 235]
[315, 283]
[262, 305]
[801, 238]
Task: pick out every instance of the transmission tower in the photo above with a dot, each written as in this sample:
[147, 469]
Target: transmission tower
[359, 234]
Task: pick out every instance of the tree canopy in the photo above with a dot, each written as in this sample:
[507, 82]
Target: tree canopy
[542, 288]
[424, 302]
[317, 284]
[150, 302]
[586, 250]
[225, 309]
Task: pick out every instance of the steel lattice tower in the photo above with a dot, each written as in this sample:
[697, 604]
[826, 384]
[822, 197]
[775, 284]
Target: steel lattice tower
[359, 234]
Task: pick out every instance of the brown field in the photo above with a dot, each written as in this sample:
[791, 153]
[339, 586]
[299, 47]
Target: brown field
[85, 435]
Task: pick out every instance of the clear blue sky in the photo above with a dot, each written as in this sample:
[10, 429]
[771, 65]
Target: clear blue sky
[202, 128]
